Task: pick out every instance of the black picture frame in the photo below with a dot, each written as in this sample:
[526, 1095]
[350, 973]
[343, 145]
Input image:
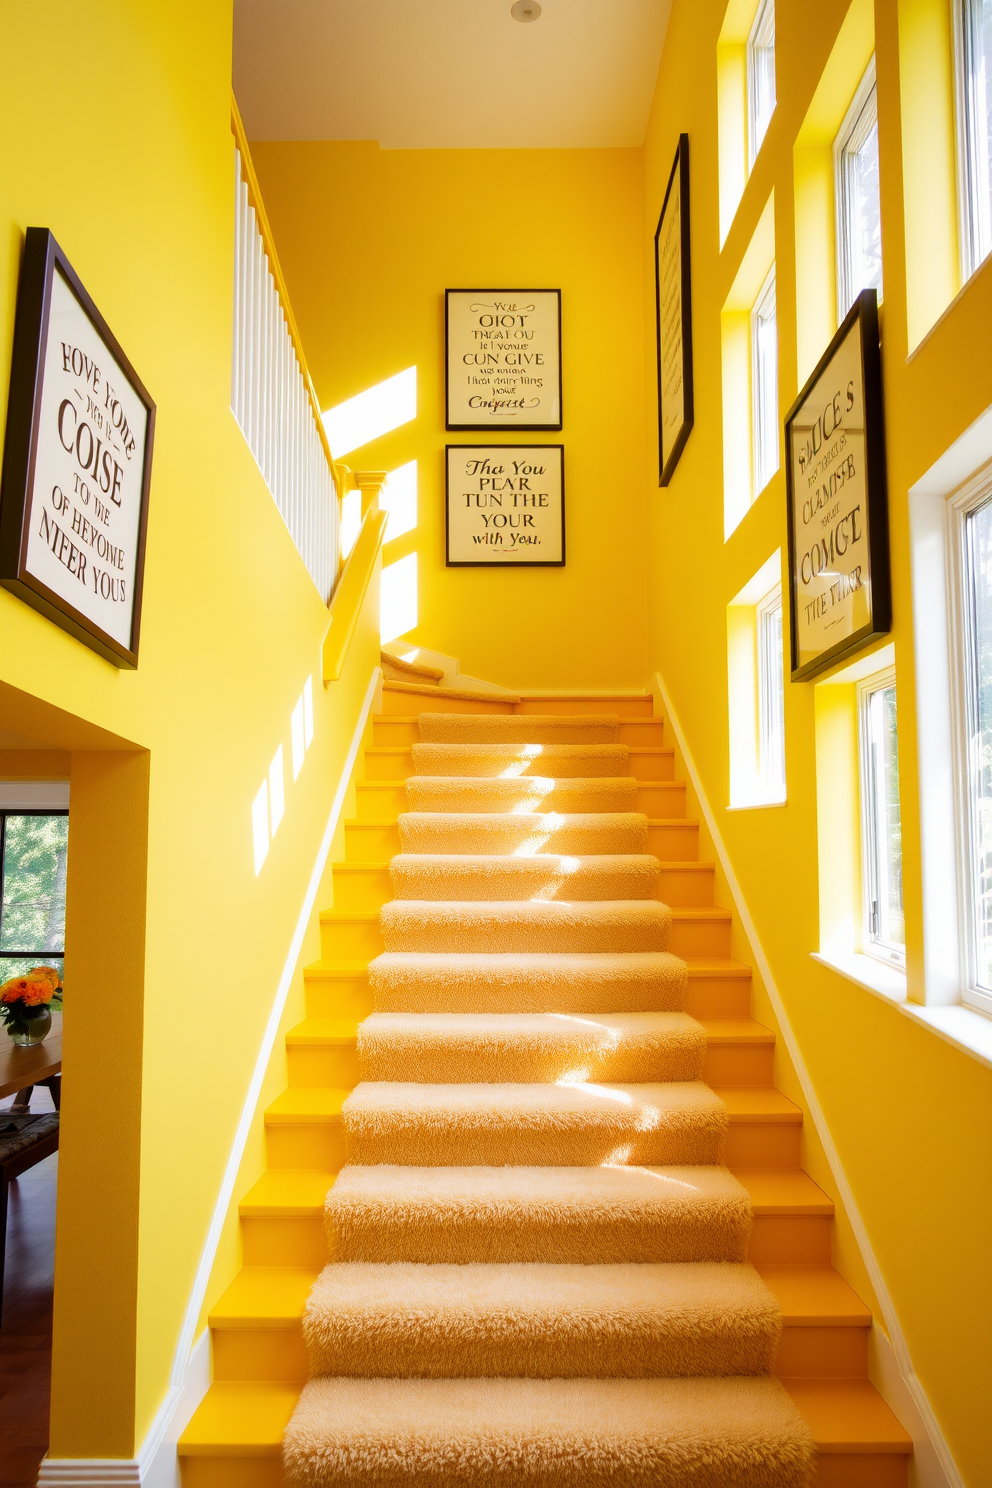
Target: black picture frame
[680, 173]
[549, 426]
[861, 321]
[504, 449]
[42, 260]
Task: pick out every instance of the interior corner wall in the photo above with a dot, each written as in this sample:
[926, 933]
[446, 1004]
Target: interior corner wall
[909, 1115]
[369, 240]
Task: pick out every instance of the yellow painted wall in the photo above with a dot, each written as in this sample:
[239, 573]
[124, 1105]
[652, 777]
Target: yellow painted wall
[369, 240]
[114, 132]
[910, 1115]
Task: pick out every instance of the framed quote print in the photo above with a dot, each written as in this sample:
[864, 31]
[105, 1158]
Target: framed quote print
[837, 502]
[77, 461]
[673, 302]
[502, 358]
[504, 505]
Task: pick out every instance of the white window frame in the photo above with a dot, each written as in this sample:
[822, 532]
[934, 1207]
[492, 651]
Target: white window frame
[974, 207]
[764, 462]
[761, 37]
[859, 120]
[970, 498]
[871, 943]
[771, 771]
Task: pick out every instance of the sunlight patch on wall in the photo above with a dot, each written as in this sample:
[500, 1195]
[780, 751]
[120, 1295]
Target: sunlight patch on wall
[351, 520]
[399, 499]
[368, 415]
[398, 598]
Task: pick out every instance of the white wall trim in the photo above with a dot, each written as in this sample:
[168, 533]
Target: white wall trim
[156, 1464]
[892, 1374]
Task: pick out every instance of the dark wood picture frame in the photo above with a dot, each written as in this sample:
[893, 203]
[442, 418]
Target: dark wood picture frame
[500, 563]
[510, 425]
[42, 260]
[680, 172]
[864, 315]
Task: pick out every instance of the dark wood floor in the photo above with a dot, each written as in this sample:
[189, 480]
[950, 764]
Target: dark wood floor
[26, 1333]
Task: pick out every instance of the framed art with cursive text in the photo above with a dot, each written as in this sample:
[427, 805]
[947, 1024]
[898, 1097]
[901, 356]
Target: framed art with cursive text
[673, 301]
[502, 358]
[504, 505]
[838, 516]
[76, 461]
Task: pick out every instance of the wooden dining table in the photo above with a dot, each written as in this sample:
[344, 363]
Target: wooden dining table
[24, 1066]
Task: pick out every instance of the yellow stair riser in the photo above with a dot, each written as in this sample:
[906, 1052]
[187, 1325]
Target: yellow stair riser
[658, 765]
[388, 766]
[279, 1353]
[655, 766]
[405, 703]
[310, 1145]
[738, 1064]
[260, 1354]
[337, 997]
[718, 997]
[686, 888]
[350, 940]
[367, 843]
[361, 892]
[646, 732]
[761, 1144]
[233, 1472]
[378, 800]
[284, 1240]
[823, 1352]
[726, 1064]
[674, 841]
[791, 1239]
[853, 1470]
[391, 732]
[337, 1067]
[617, 707]
[701, 940]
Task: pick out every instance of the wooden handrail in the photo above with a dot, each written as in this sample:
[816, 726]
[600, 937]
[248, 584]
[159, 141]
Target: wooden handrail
[255, 197]
[349, 596]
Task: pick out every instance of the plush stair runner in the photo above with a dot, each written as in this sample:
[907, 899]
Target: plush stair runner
[538, 1269]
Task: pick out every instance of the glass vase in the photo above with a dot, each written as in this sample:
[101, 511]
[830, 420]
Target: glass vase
[33, 1031]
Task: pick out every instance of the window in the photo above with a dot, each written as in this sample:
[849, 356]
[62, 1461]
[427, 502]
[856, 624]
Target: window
[974, 58]
[859, 216]
[760, 77]
[881, 825]
[764, 386]
[975, 753]
[33, 854]
[771, 697]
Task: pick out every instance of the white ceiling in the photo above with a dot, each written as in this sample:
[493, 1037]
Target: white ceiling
[448, 74]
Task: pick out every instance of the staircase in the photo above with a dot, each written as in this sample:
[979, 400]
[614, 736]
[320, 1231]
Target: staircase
[606, 1301]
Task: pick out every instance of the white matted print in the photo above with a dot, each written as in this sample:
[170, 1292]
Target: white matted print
[503, 358]
[505, 505]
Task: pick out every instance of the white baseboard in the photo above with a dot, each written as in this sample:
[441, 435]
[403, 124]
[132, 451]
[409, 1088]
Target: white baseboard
[891, 1370]
[157, 1464]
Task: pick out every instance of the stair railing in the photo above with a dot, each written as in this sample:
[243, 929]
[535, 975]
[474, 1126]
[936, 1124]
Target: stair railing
[272, 394]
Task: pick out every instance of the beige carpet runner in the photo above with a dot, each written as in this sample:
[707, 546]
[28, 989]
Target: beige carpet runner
[538, 1269]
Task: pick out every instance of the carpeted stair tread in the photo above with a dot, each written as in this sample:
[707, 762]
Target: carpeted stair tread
[540, 1322]
[574, 1215]
[523, 831]
[516, 925]
[561, 761]
[416, 982]
[462, 1047]
[538, 793]
[532, 1125]
[573, 1433]
[518, 728]
[547, 876]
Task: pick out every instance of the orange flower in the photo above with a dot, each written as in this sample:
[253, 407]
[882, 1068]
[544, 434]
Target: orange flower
[37, 992]
[49, 973]
[14, 990]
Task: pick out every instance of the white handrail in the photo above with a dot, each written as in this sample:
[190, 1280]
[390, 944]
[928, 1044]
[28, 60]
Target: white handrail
[271, 401]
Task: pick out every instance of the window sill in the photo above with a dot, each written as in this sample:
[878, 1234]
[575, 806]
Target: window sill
[960, 1026]
[756, 805]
